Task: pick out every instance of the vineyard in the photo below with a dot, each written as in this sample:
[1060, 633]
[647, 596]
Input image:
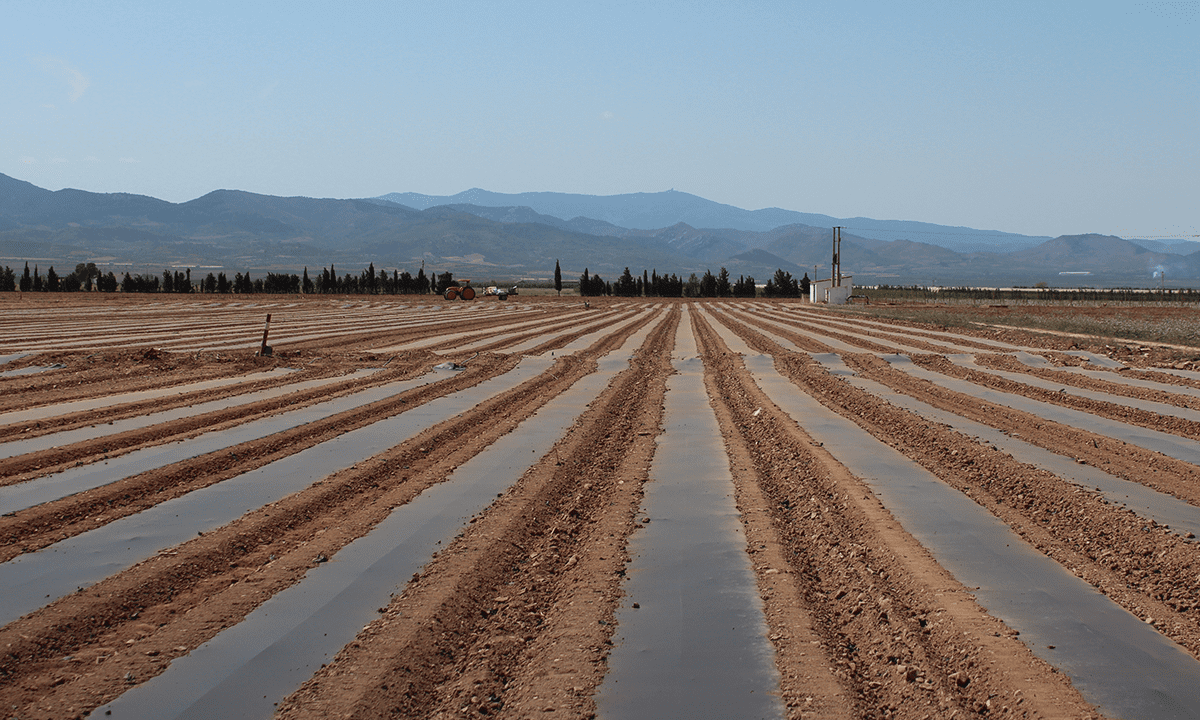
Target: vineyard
[627, 508]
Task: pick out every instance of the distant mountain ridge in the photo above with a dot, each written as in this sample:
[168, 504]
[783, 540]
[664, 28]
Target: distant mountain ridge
[239, 231]
[648, 211]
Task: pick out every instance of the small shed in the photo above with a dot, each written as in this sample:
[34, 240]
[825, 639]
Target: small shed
[824, 291]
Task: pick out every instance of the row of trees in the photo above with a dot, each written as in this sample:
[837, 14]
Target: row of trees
[654, 285]
[651, 285]
[87, 277]
[784, 285]
[370, 282]
[84, 277]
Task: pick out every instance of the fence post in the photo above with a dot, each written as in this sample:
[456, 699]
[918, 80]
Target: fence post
[265, 350]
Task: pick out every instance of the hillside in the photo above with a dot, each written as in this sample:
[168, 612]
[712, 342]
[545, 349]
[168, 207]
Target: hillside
[237, 231]
[651, 211]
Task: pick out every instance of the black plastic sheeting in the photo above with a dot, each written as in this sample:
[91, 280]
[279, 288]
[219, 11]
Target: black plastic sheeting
[74, 480]
[68, 437]
[245, 670]
[1174, 446]
[697, 646]
[73, 406]
[35, 579]
[968, 361]
[31, 370]
[1144, 501]
[1115, 660]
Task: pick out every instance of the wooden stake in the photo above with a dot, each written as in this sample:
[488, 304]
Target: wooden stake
[263, 351]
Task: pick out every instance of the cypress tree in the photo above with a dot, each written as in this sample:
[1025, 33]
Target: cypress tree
[724, 289]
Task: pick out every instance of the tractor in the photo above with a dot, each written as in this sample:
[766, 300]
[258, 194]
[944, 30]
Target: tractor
[463, 289]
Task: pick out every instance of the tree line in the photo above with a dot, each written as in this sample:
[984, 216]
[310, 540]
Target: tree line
[651, 284]
[86, 277]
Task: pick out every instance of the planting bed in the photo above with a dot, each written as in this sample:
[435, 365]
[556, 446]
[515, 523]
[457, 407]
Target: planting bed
[640, 508]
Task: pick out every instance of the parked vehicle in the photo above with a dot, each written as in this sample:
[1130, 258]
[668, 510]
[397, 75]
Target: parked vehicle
[463, 290]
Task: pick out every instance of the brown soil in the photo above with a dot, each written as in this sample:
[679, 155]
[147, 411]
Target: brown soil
[1112, 387]
[515, 617]
[884, 608]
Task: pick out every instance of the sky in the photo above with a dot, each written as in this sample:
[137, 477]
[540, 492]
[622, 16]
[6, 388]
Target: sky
[1042, 118]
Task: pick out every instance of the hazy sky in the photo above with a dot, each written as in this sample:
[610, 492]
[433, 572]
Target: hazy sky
[1045, 117]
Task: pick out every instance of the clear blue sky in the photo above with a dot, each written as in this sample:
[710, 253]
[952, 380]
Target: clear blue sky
[1044, 117]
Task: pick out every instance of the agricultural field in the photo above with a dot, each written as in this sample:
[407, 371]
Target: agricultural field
[414, 508]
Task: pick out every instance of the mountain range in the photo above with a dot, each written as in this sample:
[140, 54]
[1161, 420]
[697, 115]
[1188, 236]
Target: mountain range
[488, 235]
[649, 211]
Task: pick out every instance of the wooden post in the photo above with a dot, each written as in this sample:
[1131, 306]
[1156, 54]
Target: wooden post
[264, 350]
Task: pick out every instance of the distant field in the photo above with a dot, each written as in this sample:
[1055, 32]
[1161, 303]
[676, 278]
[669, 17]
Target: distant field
[1172, 323]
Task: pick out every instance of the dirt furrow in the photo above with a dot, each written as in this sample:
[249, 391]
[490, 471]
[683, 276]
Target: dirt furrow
[571, 329]
[1111, 410]
[105, 372]
[800, 326]
[73, 419]
[802, 341]
[1085, 382]
[515, 617]
[981, 322]
[1141, 566]
[837, 328]
[809, 686]
[560, 342]
[20, 468]
[43, 525]
[131, 624]
[903, 637]
[548, 326]
[1128, 462]
[363, 342]
[909, 330]
[1158, 375]
[108, 372]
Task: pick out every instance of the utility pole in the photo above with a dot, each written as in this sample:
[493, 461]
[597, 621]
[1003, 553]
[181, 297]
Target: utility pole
[835, 271]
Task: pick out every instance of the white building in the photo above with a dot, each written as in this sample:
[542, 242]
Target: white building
[824, 291]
